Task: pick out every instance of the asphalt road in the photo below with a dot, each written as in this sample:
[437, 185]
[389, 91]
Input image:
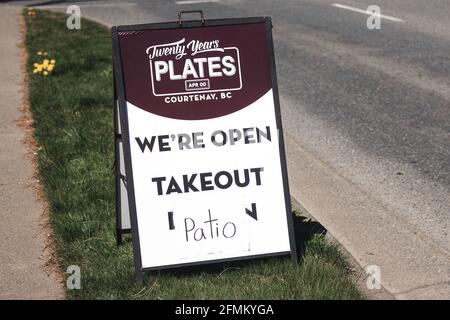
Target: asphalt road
[372, 107]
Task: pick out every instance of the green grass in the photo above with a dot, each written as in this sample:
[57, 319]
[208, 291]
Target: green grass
[73, 120]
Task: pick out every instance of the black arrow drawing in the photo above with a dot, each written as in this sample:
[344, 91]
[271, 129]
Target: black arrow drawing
[252, 213]
[171, 224]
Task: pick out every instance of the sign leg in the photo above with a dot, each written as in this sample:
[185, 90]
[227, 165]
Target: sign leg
[119, 239]
[116, 172]
[139, 278]
[294, 257]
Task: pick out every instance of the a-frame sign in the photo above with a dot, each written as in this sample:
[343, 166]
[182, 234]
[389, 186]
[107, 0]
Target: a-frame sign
[200, 160]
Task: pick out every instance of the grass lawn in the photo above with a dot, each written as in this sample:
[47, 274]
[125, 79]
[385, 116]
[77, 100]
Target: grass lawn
[72, 109]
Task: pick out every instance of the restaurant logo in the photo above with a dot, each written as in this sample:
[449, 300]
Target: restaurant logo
[187, 67]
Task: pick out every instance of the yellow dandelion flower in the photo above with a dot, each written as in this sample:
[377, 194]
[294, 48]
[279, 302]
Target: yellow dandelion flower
[50, 67]
[35, 65]
[45, 73]
[39, 53]
[52, 61]
[45, 53]
[35, 71]
[45, 62]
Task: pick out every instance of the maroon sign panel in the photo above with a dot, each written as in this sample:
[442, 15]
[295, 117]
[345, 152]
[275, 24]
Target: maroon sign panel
[184, 70]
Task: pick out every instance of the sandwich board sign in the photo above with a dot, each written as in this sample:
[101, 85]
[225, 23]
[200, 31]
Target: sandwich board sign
[200, 160]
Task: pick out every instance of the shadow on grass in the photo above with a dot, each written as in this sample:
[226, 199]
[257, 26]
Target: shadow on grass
[304, 230]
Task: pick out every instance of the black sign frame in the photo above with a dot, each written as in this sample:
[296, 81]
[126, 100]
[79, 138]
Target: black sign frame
[123, 137]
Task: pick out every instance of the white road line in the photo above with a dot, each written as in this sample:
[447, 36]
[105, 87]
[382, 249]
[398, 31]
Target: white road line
[195, 1]
[341, 6]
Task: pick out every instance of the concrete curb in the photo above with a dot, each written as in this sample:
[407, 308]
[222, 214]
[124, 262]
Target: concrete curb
[359, 273]
[411, 267]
